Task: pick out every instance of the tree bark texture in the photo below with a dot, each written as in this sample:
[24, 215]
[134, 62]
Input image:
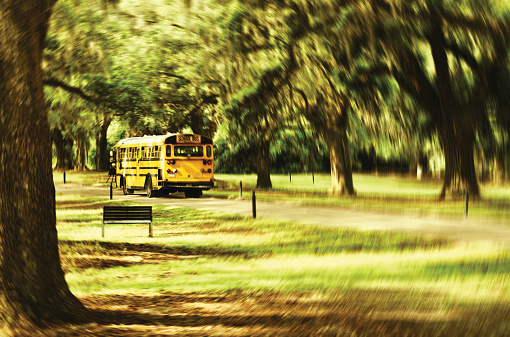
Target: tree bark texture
[460, 174]
[263, 162]
[64, 148]
[455, 123]
[32, 283]
[332, 124]
[341, 171]
[81, 153]
[102, 154]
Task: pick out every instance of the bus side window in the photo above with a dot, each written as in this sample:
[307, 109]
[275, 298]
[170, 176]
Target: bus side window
[208, 151]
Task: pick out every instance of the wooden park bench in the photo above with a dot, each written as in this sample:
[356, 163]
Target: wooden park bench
[127, 215]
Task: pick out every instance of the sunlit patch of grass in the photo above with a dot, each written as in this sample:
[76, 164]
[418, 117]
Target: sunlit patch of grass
[399, 282]
[379, 193]
[80, 177]
[410, 273]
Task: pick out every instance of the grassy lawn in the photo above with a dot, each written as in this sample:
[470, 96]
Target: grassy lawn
[215, 274]
[379, 193]
[385, 193]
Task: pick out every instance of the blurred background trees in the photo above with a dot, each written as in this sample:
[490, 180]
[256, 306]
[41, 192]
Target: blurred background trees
[415, 86]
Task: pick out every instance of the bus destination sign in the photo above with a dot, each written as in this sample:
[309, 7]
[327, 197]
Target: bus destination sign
[188, 139]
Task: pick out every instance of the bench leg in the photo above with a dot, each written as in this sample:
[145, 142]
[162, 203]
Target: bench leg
[102, 230]
[150, 229]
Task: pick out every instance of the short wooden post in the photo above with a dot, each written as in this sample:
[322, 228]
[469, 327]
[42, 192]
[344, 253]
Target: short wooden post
[313, 178]
[240, 189]
[102, 230]
[64, 176]
[150, 229]
[254, 205]
[111, 190]
[290, 177]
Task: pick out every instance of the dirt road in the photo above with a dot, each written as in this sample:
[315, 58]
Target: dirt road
[468, 230]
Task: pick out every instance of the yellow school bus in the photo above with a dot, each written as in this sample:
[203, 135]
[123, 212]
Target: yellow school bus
[164, 164]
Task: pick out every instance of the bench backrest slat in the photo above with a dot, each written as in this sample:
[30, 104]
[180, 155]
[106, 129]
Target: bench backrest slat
[127, 213]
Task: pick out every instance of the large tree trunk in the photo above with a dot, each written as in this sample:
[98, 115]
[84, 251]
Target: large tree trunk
[460, 175]
[456, 125]
[32, 283]
[102, 154]
[263, 162]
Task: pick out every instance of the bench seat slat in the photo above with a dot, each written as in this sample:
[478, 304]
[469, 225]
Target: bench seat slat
[127, 221]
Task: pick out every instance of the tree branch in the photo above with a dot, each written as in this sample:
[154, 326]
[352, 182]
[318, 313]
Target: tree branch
[415, 82]
[173, 75]
[53, 82]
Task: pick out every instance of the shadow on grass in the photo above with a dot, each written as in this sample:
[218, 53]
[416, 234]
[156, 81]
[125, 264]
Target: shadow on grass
[355, 313]
[129, 248]
[102, 254]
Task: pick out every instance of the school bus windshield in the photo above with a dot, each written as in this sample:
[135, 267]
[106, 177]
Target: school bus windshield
[188, 151]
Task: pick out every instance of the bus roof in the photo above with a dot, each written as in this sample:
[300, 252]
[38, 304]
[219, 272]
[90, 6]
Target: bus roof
[152, 139]
[144, 139]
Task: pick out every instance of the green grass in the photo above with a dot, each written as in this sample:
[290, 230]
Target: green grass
[385, 193]
[225, 253]
[365, 184]
[80, 177]
[422, 278]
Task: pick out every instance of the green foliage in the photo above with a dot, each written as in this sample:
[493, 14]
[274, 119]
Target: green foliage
[237, 158]
[123, 93]
[154, 70]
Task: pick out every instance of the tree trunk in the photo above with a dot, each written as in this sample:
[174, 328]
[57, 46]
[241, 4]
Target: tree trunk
[196, 118]
[460, 175]
[332, 124]
[498, 173]
[81, 154]
[263, 162]
[456, 125]
[64, 149]
[102, 154]
[341, 170]
[32, 284]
